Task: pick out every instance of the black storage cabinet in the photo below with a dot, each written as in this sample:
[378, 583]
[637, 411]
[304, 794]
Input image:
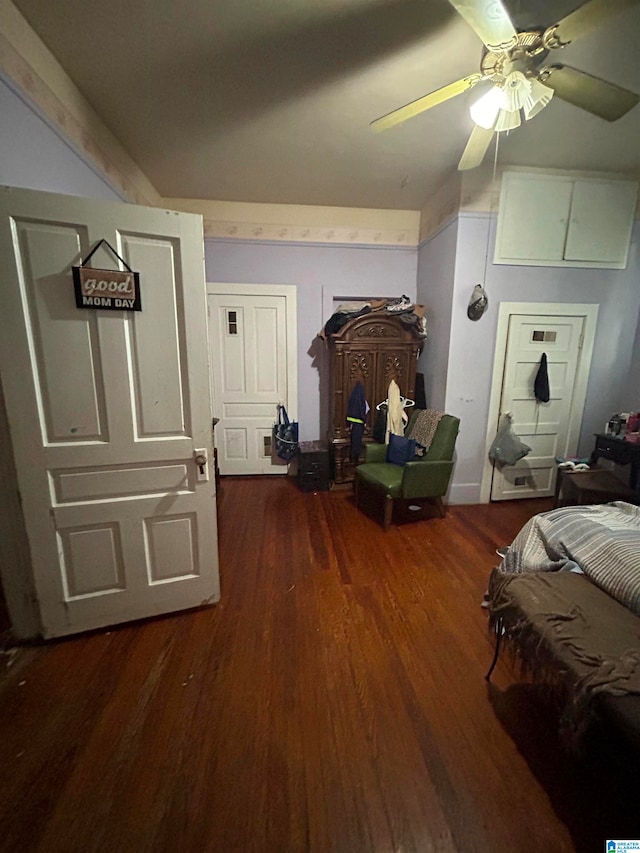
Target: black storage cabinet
[313, 467]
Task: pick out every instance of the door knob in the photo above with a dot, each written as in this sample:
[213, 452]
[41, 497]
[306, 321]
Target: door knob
[201, 458]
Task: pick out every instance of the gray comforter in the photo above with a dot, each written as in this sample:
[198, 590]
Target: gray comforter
[601, 541]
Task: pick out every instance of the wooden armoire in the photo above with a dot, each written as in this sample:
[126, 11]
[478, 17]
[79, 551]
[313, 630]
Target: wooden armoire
[374, 349]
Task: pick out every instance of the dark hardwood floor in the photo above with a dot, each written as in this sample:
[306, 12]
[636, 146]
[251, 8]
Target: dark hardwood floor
[333, 701]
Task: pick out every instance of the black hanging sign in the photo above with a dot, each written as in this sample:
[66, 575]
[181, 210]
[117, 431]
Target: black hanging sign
[113, 290]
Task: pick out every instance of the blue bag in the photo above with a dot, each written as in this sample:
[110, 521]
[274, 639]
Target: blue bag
[285, 436]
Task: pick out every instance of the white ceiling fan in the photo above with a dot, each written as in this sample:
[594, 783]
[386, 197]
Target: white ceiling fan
[523, 82]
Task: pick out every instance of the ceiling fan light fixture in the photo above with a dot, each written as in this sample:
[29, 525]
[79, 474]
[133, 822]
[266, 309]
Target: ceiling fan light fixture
[504, 107]
[485, 110]
[517, 89]
[508, 120]
[538, 99]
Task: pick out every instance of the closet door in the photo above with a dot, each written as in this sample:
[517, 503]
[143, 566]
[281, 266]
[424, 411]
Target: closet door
[544, 427]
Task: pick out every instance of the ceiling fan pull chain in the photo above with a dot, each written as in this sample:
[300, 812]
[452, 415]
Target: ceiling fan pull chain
[491, 191]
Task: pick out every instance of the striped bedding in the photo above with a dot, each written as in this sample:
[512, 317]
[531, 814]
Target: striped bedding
[601, 541]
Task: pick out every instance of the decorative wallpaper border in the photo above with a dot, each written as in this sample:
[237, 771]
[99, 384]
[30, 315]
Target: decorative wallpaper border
[283, 233]
[300, 223]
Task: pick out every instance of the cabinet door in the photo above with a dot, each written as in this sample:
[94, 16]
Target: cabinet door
[601, 221]
[396, 363]
[359, 365]
[532, 223]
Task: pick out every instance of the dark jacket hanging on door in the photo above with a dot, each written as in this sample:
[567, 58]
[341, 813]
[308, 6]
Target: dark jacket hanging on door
[541, 382]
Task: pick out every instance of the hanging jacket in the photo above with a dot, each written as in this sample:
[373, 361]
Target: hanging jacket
[356, 414]
[541, 382]
[396, 416]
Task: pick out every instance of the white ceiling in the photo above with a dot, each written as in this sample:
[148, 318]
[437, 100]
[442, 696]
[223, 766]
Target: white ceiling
[270, 100]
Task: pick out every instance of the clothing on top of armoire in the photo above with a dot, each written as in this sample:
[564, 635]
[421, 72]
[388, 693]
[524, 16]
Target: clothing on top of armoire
[403, 307]
[356, 413]
[341, 318]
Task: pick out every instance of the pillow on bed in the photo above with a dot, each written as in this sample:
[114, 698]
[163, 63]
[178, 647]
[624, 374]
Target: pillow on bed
[400, 450]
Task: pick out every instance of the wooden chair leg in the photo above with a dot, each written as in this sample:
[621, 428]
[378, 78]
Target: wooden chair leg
[442, 509]
[388, 511]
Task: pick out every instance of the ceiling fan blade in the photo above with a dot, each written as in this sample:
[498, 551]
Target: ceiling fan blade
[590, 93]
[585, 19]
[421, 104]
[490, 20]
[473, 154]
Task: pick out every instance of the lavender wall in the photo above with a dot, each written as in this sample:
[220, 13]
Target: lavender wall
[319, 272]
[33, 156]
[633, 382]
[436, 277]
[472, 344]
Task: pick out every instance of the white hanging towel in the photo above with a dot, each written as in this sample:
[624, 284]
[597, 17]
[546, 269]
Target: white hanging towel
[396, 415]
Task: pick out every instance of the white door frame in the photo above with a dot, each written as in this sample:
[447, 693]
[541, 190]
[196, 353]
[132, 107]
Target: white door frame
[553, 309]
[290, 293]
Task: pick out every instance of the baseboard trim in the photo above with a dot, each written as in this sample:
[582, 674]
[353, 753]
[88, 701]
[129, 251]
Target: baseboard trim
[464, 493]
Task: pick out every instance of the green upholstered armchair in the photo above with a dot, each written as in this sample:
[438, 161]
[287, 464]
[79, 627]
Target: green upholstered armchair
[427, 477]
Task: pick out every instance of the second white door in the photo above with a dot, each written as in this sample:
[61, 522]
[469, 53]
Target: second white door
[253, 356]
[545, 427]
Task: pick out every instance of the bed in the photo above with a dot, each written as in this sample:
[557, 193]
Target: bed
[566, 600]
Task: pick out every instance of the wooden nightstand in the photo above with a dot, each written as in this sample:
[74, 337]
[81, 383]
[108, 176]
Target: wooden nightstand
[597, 486]
[620, 451]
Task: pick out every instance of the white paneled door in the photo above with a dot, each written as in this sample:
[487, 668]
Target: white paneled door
[253, 356]
[108, 411]
[545, 427]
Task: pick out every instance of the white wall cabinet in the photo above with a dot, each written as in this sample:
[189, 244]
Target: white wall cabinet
[558, 220]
